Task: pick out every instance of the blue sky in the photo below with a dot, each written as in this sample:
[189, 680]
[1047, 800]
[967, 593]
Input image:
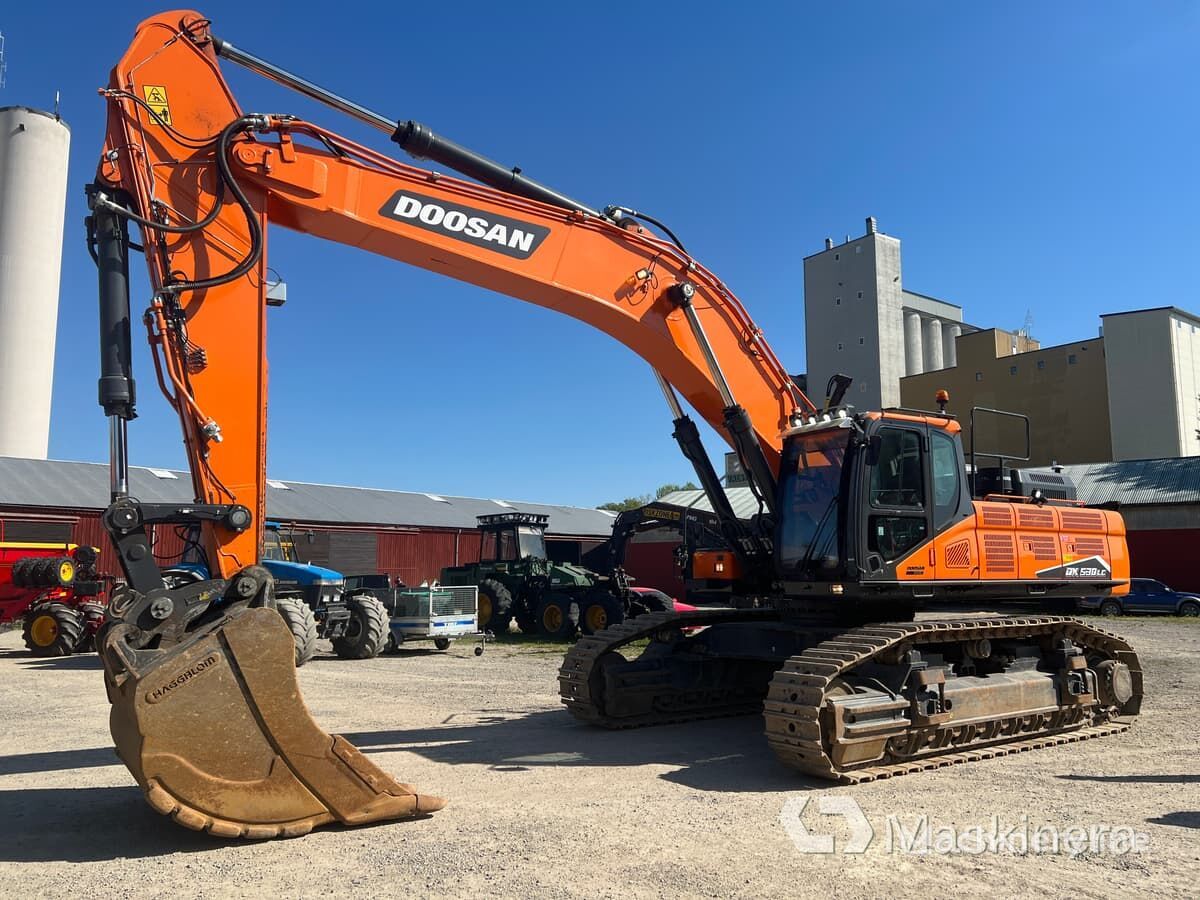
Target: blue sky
[1029, 155]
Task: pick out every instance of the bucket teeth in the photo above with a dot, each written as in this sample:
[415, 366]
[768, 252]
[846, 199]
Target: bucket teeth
[217, 735]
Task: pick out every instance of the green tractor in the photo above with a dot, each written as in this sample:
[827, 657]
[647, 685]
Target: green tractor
[517, 581]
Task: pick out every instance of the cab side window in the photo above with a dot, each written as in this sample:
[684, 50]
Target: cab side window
[897, 478]
[947, 478]
[508, 545]
[487, 549]
[271, 546]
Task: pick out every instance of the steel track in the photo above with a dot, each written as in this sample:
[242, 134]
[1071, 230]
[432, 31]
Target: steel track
[792, 709]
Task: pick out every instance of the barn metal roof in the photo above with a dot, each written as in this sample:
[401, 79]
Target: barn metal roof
[1138, 482]
[81, 485]
[740, 498]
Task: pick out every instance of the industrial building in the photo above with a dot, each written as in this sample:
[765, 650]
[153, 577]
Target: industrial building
[1153, 374]
[410, 536]
[1063, 390]
[1131, 393]
[859, 320]
[901, 347]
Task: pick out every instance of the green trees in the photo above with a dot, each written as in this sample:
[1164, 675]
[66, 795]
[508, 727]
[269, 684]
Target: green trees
[643, 499]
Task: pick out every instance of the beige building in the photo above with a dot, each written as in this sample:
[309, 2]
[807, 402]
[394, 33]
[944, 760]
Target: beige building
[1063, 390]
[1133, 393]
[1153, 382]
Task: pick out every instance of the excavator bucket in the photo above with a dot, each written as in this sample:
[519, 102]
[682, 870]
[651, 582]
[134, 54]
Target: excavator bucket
[216, 733]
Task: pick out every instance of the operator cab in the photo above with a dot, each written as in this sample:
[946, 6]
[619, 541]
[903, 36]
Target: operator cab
[859, 493]
[279, 546]
[510, 537]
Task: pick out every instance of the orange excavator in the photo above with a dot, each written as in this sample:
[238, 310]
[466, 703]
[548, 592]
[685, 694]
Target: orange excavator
[862, 515]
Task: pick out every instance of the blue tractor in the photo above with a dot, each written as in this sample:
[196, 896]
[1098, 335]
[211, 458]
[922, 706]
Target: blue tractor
[311, 599]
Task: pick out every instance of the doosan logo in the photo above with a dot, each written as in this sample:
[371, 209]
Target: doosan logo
[512, 237]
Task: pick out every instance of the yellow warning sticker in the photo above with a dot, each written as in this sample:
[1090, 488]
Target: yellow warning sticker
[156, 99]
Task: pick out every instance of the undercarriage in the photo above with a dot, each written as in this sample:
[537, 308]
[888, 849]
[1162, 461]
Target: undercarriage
[862, 703]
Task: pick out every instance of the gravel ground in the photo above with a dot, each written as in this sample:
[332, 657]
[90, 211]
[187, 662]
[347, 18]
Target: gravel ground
[541, 806]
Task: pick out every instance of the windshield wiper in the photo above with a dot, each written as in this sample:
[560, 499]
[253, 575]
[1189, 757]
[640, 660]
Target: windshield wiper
[804, 563]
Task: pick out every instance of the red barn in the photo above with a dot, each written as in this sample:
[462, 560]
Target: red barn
[348, 529]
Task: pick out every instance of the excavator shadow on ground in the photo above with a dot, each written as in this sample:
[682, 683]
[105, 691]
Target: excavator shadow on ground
[46, 824]
[60, 824]
[76, 662]
[726, 755]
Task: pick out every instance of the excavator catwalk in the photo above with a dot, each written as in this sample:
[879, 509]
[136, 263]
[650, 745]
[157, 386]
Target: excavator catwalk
[862, 515]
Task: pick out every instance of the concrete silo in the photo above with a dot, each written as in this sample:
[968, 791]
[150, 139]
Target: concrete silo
[33, 191]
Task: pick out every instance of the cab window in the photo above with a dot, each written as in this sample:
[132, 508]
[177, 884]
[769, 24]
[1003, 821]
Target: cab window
[894, 536]
[947, 478]
[508, 545]
[271, 546]
[896, 477]
[487, 547]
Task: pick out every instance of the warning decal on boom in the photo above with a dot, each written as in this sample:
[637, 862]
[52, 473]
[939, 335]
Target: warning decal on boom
[156, 99]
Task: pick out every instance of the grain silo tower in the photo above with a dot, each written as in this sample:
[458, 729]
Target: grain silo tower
[33, 192]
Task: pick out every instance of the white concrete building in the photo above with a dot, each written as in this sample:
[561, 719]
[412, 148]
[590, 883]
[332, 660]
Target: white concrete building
[1152, 362]
[861, 322]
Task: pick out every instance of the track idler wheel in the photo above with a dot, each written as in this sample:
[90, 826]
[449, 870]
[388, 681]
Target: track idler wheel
[217, 735]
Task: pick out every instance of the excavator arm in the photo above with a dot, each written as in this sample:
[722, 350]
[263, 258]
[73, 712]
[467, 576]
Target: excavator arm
[203, 180]
[180, 153]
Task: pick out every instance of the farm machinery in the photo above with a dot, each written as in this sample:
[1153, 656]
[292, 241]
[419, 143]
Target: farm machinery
[311, 599]
[54, 592]
[518, 581]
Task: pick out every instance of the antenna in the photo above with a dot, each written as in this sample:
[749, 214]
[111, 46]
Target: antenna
[3, 62]
[1027, 327]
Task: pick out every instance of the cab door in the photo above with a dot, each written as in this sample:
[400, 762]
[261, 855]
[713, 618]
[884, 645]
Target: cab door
[898, 519]
[956, 543]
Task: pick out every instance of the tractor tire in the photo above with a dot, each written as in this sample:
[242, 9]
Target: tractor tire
[93, 615]
[20, 572]
[442, 643]
[62, 573]
[52, 629]
[298, 616]
[42, 573]
[368, 629]
[495, 607]
[558, 617]
[598, 610]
